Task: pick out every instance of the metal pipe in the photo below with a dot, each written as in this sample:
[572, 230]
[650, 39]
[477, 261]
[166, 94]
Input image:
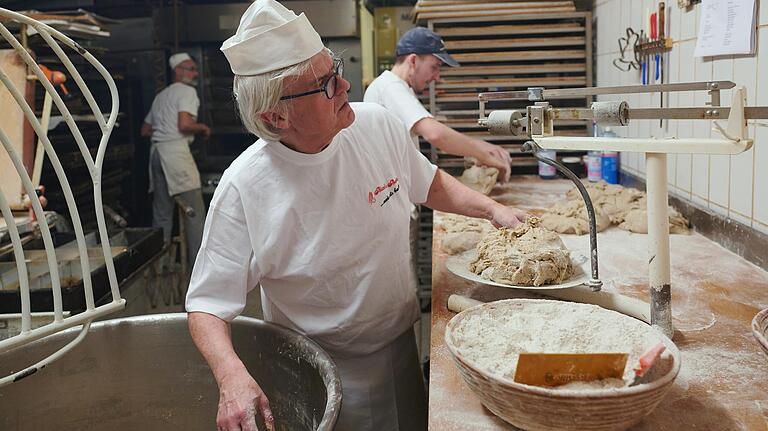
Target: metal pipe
[658, 243]
[533, 148]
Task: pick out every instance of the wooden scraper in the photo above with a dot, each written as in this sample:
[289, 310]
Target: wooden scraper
[555, 369]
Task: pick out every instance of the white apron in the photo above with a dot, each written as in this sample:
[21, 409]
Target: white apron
[179, 166]
[383, 391]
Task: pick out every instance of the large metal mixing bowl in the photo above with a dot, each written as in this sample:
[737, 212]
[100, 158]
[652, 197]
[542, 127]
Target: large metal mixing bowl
[144, 373]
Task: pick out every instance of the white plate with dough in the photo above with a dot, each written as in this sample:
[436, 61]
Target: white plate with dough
[459, 265]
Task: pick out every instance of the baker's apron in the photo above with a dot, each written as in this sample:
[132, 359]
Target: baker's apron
[384, 390]
[179, 166]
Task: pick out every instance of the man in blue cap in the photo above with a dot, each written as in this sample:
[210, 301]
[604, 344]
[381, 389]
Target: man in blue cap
[420, 53]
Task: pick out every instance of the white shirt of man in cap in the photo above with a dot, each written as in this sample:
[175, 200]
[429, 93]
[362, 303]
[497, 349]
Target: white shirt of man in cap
[314, 213]
[420, 53]
[172, 124]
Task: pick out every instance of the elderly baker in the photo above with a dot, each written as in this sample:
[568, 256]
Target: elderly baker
[314, 212]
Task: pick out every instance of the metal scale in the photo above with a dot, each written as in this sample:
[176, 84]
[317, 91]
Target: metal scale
[537, 122]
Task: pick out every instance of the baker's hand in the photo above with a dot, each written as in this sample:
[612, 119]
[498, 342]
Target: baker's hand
[504, 216]
[240, 398]
[497, 157]
[206, 131]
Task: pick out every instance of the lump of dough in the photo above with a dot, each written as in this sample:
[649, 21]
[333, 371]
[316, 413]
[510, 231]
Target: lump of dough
[612, 199]
[527, 255]
[571, 217]
[462, 233]
[636, 220]
[625, 207]
[480, 178]
[459, 242]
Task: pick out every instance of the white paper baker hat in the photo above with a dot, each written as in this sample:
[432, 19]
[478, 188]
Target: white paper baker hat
[270, 37]
[176, 59]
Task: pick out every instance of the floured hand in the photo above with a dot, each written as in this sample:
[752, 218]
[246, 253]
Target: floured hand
[241, 400]
[496, 157]
[503, 216]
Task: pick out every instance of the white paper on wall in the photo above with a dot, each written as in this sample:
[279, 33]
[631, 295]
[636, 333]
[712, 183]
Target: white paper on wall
[727, 27]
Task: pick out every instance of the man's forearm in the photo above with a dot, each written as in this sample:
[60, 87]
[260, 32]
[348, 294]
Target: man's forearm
[449, 195]
[214, 341]
[195, 128]
[453, 142]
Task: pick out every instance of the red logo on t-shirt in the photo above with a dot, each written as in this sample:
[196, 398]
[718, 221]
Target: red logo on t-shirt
[391, 184]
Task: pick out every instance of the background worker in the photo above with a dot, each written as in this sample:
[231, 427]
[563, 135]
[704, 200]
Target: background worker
[172, 124]
[420, 53]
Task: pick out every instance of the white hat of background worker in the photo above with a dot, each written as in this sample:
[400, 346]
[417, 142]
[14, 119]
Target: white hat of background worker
[270, 37]
[177, 59]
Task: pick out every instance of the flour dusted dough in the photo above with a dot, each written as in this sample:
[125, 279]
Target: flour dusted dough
[527, 255]
[479, 178]
[636, 219]
[612, 199]
[625, 207]
[462, 233]
[571, 217]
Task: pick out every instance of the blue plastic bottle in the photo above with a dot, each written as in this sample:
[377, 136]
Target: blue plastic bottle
[546, 171]
[610, 161]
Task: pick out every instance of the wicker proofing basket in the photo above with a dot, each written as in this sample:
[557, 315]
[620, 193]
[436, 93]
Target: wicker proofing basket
[537, 409]
[760, 329]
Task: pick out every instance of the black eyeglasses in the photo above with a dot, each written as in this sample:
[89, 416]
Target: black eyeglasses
[329, 85]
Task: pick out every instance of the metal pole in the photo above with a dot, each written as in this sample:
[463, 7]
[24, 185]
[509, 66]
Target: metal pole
[658, 243]
[594, 283]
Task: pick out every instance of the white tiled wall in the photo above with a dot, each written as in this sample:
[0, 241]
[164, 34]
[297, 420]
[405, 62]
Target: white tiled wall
[732, 186]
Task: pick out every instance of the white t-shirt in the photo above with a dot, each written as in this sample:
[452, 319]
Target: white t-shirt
[164, 114]
[391, 92]
[325, 234]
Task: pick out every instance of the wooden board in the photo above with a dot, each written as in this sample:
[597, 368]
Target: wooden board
[522, 69]
[527, 42]
[514, 82]
[420, 7]
[470, 97]
[493, 13]
[488, 137]
[466, 123]
[428, 3]
[510, 29]
[479, 57]
[12, 123]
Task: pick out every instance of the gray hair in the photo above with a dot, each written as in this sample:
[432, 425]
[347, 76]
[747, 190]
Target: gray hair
[256, 94]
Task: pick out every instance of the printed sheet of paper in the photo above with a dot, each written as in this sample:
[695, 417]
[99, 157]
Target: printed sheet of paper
[727, 27]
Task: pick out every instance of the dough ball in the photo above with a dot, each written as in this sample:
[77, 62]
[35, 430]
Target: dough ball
[528, 255]
[571, 217]
[480, 178]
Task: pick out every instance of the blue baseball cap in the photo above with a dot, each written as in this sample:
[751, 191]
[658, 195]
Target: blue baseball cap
[421, 40]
